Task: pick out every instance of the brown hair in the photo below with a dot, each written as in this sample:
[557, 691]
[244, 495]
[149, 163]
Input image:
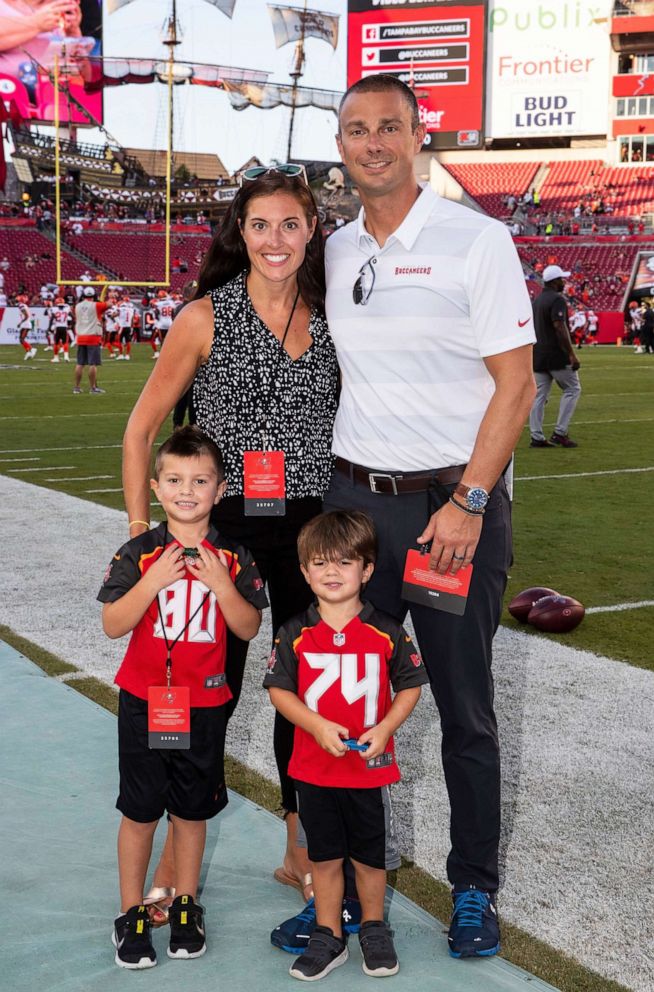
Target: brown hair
[382, 82]
[190, 442]
[338, 534]
[227, 255]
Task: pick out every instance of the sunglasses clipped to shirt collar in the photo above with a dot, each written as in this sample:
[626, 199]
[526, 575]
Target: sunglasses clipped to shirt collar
[286, 169]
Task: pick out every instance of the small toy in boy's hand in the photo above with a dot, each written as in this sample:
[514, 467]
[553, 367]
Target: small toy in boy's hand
[191, 554]
[351, 743]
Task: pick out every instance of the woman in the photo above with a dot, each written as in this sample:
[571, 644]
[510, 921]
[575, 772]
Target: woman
[256, 343]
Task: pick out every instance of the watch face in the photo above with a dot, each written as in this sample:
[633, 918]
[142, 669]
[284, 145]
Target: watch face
[477, 498]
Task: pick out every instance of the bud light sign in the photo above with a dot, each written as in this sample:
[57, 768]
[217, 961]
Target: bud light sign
[551, 113]
[549, 68]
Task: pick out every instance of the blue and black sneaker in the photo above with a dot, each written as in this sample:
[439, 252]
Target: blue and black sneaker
[293, 935]
[474, 930]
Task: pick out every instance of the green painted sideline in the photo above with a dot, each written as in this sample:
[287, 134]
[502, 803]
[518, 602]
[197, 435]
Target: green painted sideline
[519, 948]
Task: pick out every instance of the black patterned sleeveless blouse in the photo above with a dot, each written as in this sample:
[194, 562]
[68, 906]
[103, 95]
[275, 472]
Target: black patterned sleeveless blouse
[246, 371]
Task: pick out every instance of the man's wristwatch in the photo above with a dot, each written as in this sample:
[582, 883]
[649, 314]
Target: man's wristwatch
[475, 498]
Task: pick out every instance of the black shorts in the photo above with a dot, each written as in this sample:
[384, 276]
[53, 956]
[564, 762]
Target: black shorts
[60, 335]
[189, 784]
[126, 335]
[348, 823]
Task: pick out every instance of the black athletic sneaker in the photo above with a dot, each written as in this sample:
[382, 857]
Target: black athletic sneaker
[186, 929]
[324, 953]
[474, 930]
[131, 938]
[541, 443]
[379, 957]
[563, 441]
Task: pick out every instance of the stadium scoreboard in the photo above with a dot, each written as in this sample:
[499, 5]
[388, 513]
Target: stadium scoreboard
[438, 47]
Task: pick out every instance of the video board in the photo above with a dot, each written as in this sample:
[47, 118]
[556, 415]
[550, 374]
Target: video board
[435, 46]
[32, 38]
[549, 67]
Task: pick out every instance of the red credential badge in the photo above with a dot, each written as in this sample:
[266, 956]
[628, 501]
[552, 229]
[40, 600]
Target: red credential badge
[441, 592]
[169, 717]
[264, 484]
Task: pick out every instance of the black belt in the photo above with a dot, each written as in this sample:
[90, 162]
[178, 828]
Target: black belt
[394, 483]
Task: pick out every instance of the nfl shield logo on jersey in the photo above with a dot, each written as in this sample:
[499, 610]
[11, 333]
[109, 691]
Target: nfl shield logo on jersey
[339, 640]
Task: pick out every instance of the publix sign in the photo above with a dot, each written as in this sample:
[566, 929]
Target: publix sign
[548, 68]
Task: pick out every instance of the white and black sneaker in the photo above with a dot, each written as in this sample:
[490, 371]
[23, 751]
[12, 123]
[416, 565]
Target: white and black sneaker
[379, 957]
[187, 938]
[324, 953]
[131, 938]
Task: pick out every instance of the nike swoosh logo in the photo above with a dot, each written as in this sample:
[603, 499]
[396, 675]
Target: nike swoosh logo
[521, 323]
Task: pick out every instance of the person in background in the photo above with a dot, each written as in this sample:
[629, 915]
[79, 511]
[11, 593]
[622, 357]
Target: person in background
[554, 361]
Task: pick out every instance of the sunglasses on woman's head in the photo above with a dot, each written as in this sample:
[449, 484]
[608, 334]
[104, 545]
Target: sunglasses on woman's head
[286, 169]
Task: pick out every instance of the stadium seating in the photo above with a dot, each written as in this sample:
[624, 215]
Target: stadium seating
[594, 263]
[490, 183]
[629, 190]
[133, 256]
[17, 244]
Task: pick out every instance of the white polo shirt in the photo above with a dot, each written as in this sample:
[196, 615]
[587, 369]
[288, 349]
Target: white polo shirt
[449, 291]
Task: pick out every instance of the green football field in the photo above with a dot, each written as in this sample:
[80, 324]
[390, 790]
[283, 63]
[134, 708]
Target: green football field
[582, 517]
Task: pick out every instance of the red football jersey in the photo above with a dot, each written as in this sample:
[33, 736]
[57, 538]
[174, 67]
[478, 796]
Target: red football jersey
[198, 657]
[346, 677]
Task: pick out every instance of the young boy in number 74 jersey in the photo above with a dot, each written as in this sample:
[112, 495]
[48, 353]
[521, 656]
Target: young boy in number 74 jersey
[330, 674]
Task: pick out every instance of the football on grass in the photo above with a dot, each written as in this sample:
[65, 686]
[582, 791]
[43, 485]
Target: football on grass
[556, 614]
[521, 604]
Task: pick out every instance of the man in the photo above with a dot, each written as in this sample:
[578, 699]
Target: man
[88, 317]
[593, 326]
[431, 320]
[578, 323]
[126, 312]
[554, 361]
[647, 331]
[60, 320]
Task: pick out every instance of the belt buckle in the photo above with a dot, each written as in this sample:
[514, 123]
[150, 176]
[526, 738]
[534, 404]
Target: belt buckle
[373, 476]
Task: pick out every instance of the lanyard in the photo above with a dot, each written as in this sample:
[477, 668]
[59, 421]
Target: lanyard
[169, 645]
[265, 405]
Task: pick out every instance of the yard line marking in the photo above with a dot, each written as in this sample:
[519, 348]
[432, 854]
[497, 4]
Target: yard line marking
[42, 468]
[64, 416]
[20, 459]
[579, 475]
[620, 606]
[78, 478]
[613, 420]
[119, 490]
[75, 447]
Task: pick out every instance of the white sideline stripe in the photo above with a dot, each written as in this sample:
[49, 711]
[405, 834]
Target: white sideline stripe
[580, 475]
[78, 478]
[75, 447]
[620, 606]
[42, 468]
[20, 459]
[119, 490]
